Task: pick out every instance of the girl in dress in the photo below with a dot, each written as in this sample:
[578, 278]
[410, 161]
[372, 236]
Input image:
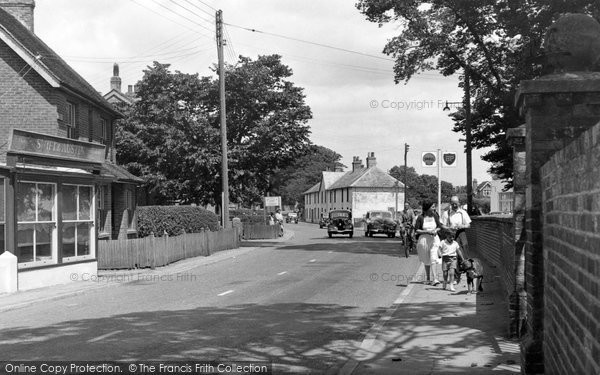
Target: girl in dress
[427, 226]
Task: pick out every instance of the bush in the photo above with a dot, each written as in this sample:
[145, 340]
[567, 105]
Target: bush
[174, 220]
[249, 216]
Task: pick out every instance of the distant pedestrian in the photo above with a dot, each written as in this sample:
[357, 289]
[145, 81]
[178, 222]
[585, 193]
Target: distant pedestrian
[458, 219]
[427, 226]
[279, 220]
[271, 219]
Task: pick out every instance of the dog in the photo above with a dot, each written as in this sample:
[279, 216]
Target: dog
[474, 270]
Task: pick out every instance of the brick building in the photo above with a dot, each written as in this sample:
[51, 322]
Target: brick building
[360, 190]
[60, 188]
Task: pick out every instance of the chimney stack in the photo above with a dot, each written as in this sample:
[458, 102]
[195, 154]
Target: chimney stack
[22, 10]
[475, 184]
[115, 81]
[356, 163]
[371, 160]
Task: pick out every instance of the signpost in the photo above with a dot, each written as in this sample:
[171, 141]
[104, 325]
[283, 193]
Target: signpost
[439, 160]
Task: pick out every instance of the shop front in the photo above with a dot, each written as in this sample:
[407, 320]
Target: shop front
[50, 195]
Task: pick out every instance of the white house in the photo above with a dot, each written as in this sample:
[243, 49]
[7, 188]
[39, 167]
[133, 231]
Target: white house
[360, 190]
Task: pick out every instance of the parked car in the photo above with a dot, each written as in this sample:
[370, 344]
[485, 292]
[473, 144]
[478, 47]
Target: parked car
[323, 222]
[292, 217]
[340, 222]
[380, 222]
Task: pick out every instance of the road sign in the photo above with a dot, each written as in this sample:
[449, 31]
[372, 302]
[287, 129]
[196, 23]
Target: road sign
[449, 159]
[429, 159]
[272, 201]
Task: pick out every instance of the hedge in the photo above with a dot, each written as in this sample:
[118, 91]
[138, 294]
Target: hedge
[249, 216]
[174, 220]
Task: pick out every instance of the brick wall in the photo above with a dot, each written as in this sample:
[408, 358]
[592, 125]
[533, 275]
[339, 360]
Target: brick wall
[571, 208]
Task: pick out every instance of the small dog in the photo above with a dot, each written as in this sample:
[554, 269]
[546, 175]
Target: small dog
[474, 270]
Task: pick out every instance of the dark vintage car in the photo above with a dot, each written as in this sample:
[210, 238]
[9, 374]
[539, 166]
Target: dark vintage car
[340, 222]
[292, 217]
[380, 222]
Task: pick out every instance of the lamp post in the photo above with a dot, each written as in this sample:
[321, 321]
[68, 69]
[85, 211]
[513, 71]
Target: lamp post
[467, 107]
[396, 188]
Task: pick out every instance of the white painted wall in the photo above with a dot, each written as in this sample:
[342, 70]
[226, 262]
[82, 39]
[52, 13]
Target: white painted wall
[38, 278]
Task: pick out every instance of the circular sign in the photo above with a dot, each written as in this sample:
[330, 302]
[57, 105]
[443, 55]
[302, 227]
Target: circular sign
[429, 158]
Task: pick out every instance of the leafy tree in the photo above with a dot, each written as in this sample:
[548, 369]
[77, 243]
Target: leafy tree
[171, 137]
[495, 41]
[304, 173]
[421, 187]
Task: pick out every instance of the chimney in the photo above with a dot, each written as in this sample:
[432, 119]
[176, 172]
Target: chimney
[371, 161]
[130, 89]
[22, 10]
[356, 163]
[338, 168]
[115, 81]
[475, 184]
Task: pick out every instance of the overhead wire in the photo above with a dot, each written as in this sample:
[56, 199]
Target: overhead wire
[180, 15]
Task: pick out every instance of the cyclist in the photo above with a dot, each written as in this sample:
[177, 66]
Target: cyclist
[408, 223]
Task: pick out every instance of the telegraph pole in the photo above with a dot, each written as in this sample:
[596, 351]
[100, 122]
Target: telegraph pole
[406, 147]
[468, 141]
[224, 167]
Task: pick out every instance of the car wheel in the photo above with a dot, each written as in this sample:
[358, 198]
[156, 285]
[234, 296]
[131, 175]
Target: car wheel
[370, 234]
[367, 233]
[330, 235]
[351, 234]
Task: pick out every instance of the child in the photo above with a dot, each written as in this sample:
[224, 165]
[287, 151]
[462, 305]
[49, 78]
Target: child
[448, 251]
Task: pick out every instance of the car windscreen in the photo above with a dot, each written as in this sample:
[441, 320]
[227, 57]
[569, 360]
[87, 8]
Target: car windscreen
[381, 214]
[336, 215]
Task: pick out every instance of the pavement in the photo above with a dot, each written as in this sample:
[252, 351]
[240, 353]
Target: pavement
[427, 330]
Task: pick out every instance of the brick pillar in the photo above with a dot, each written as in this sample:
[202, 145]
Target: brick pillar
[518, 297]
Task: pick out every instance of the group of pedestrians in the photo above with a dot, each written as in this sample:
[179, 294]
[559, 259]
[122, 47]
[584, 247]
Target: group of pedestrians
[441, 240]
[277, 218]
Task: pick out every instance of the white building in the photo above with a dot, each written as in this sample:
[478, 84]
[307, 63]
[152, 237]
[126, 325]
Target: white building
[360, 190]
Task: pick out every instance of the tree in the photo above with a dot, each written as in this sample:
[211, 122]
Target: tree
[421, 187]
[304, 173]
[171, 138]
[495, 41]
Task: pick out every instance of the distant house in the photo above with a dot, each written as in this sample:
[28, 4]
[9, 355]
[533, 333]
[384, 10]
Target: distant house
[500, 201]
[360, 190]
[482, 190]
[60, 188]
[117, 98]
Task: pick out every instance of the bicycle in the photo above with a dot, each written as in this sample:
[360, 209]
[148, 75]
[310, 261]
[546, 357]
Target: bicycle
[408, 239]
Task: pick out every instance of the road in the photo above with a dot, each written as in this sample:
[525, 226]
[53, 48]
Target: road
[304, 304]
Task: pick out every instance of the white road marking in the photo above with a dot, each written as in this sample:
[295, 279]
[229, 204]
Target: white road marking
[104, 336]
[281, 273]
[225, 293]
[312, 260]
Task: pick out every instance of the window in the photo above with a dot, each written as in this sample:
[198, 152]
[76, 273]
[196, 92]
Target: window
[103, 207]
[71, 120]
[78, 221]
[104, 131]
[2, 215]
[90, 126]
[130, 206]
[36, 223]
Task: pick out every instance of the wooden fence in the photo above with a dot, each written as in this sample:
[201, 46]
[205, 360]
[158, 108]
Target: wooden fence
[154, 251]
[260, 231]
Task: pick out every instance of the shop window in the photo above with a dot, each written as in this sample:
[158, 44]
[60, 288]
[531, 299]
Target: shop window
[77, 221]
[36, 223]
[2, 215]
[103, 209]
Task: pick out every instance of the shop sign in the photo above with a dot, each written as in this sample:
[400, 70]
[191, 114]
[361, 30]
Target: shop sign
[30, 143]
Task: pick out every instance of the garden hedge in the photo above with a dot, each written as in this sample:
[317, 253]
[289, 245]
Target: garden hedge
[174, 220]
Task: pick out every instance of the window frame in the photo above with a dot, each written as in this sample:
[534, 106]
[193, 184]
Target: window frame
[91, 221]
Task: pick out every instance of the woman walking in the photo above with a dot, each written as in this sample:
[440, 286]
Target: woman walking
[427, 226]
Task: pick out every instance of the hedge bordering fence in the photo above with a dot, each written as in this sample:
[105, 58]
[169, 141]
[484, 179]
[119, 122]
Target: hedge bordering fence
[159, 251]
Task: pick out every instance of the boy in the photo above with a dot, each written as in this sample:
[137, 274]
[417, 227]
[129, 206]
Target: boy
[448, 251]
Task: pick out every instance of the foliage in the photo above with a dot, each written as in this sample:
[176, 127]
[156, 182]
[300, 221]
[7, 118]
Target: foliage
[171, 136]
[421, 187]
[174, 220]
[495, 41]
[304, 173]
[249, 215]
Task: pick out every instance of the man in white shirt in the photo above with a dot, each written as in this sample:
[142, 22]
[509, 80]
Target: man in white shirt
[457, 219]
[279, 219]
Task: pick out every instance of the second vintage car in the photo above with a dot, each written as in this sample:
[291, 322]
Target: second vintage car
[380, 222]
[340, 222]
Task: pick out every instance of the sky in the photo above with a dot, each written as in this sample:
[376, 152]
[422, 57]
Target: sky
[357, 108]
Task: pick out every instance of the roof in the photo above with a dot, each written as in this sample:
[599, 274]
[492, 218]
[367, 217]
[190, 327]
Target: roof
[121, 174]
[362, 177]
[367, 177]
[46, 62]
[482, 185]
[119, 96]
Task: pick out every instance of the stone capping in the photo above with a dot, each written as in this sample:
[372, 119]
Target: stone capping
[573, 82]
